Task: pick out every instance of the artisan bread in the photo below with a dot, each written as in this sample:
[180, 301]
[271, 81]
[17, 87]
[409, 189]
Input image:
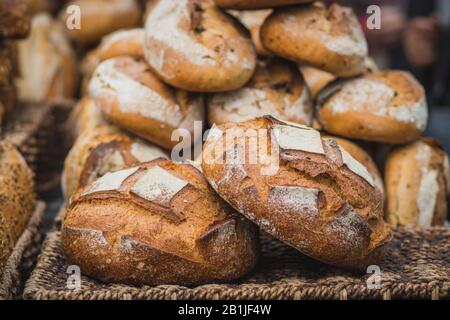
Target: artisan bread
[48, 67]
[417, 182]
[256, 4]
[100, 150]
[132, 97]
[330, 38]
[157, 223]
[14, 19]
[101, 17]
[384, 106]
[276, 88]
[306, 191]
[193, 45]
[17, 198]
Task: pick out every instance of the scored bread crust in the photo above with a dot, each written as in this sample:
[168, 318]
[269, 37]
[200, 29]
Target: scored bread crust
[100, 150]
[193, 45]
[330, 38]
[383, 106]
[320, 200]
[256, 4]
[132, 97]
[276, 88]
[160, 224]
[417, 180]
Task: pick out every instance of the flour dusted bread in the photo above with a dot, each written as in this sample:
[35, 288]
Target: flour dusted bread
[17, 198]
[100, 150]
[276, 88]
[330, 38]
[417, 181]
[384, 106]
[157, 223]
[132, 97]
[306, 191]
[195, 46]
[256, 4]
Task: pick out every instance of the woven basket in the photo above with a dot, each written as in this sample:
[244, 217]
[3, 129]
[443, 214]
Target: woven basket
[417, 266]
[23, 257]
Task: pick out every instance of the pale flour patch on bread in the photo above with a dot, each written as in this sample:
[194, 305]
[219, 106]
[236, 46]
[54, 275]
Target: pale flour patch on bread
[111, 161]
[295, 198]
[158, 185]
[195, 112]
[94, 238]
[234, 165]
[356, 167]
[144, 152]
[301, 108]
[111, 181]
[297, 138]
[352, 44]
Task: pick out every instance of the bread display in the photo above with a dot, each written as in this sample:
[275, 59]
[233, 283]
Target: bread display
[48, 67]
[194, 46]
[417, 181]
[133, 98]
[17, 198]
[157, 223]
[306, 191]
[14, 19]
[329, 39]
[101, 17]
[384, 106]
[276, 88]
[101, 150]
[256, 4]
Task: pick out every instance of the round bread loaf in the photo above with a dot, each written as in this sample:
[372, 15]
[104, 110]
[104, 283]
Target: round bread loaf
[101, 17]
[385, 106]
[158, 223]
[276, 88]
[100, 150]
[306, 191]
[133, 98]
[17, 198]
[193, 45]
[417, 181]
[256, 4]
[47, 63]
[330, 39]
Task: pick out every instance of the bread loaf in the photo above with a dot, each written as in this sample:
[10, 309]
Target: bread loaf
[157, 223]
[256, 4]
[306, 191]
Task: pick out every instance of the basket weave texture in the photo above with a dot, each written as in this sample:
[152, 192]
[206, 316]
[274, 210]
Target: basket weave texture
[23, 257]
[417, 266]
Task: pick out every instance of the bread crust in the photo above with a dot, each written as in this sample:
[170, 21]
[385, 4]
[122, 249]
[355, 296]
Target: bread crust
[323, 204]
[193, 45]
[132, 97]
[256, 4]
[276, 88]
[384, 106]
[186, 235]
[416, 179]
[329, 39]
[14, 19]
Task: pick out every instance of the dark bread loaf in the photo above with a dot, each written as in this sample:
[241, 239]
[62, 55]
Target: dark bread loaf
[309, 192]
[158, 223]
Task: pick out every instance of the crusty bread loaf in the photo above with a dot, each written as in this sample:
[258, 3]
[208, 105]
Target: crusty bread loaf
[417, 182]
[17, 198]
[133, 98]
[158, 223]
[14, 19]
[100, 150]
[193, 45]
[308, 191]
[101, 17]
[47, 62]
[384, 106]
[276, 88]
[330, 38]
[256, 4]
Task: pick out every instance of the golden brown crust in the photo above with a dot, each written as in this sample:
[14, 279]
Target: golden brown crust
[316, 79]
[384, 106]
[416, 184]
[320, 201]
[276, 88]
[133, 98]
[17, 198]
[184, 235]
[330, 39]
[257, 4]
[195, 46]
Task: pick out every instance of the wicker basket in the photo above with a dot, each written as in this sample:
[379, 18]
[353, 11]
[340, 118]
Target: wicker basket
[23, 257]
[417, 266]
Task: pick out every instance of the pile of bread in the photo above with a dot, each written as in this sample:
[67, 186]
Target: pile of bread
[295, 70]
